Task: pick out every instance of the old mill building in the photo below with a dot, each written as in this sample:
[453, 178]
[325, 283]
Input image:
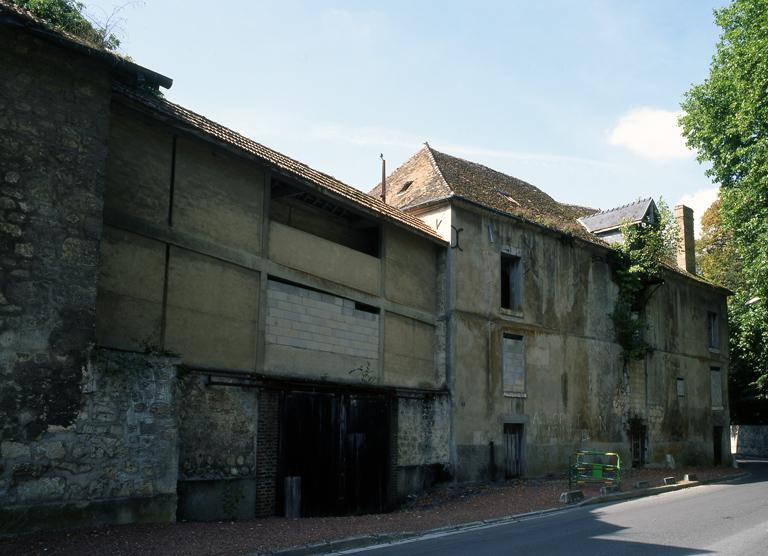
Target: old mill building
[188, 317]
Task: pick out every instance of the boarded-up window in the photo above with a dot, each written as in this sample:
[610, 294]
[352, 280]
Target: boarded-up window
[717, 387]
[513, 362]
[680, 387]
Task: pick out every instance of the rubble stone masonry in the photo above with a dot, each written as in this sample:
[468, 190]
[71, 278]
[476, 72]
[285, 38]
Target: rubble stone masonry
[72, 428]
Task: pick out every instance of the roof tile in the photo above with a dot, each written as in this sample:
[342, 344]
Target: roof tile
[438, 176]
[280, 161]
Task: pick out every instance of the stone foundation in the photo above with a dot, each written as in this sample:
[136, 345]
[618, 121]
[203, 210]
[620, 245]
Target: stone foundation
[117, 461]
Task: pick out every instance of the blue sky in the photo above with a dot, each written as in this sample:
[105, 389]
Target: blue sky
[577, 98]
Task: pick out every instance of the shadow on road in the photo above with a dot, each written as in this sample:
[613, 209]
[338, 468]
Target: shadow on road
[756, 467]
[571, 534]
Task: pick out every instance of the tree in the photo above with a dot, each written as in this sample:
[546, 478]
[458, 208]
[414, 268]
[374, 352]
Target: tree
[726, 121]
[68, 16]
[717, 258]
[720, 263]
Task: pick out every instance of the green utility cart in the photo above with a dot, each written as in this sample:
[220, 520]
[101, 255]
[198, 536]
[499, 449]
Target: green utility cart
[594, 467]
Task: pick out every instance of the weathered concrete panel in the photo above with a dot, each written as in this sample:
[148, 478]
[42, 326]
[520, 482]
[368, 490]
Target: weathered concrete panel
[423, 430]
[139, 166]
[410, 269]
[217, 196]
[409, 356]
[323, 258]
[564, 286]
[307, 363]
[129, 304]
[212, 314]
[219, 500]
[440, 219]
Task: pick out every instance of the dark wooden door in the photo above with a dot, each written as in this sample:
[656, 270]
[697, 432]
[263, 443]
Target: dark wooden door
[367, 454]
[513, 450]
[637, 435]
[338, 443]
[310, 449]
[717, 445]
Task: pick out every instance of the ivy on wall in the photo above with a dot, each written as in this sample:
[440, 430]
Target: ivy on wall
[637, 264]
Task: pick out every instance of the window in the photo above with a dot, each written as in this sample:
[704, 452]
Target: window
[713, 329]
[511, 283]
[716, 387]
[680, 387]
[405, 187]
[513, 365]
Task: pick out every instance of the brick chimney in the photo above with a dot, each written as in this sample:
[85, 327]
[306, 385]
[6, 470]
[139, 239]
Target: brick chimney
[686, 255]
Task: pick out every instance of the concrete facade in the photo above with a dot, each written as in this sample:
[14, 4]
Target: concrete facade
[535, 369]
[163, 298]
[187, 318]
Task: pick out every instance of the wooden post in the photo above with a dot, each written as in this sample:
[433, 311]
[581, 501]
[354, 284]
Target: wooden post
[293, 497]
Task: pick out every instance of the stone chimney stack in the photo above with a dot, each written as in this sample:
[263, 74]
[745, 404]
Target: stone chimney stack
[686, 255]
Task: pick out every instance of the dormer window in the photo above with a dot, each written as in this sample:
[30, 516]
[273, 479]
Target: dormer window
[405, 187]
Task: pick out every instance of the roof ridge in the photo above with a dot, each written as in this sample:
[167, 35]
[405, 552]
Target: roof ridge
[495, 171]
[600, 211]
[436, 166]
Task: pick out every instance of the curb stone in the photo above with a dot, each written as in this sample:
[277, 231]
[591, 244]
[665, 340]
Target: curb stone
[349, 543]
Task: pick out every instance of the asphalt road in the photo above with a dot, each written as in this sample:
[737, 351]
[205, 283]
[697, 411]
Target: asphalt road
[712, 519]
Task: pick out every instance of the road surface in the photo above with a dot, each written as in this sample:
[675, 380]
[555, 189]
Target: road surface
[727, 518]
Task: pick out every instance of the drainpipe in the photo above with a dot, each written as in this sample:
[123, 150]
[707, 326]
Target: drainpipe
[383, 178]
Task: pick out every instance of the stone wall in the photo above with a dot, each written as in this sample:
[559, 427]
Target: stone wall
[217, 450]
[115, 462]
[54, 110]
[749, 440]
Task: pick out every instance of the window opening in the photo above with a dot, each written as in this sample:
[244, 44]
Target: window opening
[511, 283]
[405, 187]
[713, 328]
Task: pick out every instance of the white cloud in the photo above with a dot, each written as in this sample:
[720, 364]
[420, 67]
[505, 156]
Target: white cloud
[651, 133]
[699, 201]
[390, 137]
[524, 156]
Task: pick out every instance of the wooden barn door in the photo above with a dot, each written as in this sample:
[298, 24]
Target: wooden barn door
[338, 443]
[513, 450]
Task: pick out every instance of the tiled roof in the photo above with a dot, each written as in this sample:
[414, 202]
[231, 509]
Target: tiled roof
[611, 219]
[436, 176]
[125, 69]
[280, 162]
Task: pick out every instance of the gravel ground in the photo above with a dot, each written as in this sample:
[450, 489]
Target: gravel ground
[441, 506]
